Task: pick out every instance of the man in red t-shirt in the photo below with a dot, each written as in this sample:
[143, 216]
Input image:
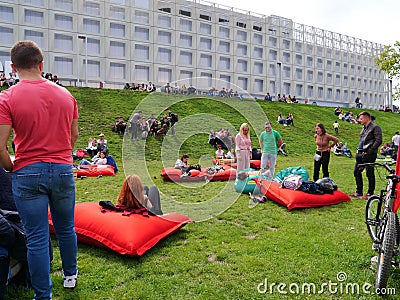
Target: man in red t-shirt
[44, 117]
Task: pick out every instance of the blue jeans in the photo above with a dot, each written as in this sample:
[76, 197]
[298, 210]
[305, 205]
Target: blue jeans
[35, 188]
[271, 157]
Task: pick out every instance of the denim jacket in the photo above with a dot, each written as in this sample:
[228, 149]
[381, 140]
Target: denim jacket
[372, 136]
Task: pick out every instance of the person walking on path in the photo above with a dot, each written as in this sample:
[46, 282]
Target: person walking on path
[323, 152]
[370, 140]
[45, 124]
[270, 141]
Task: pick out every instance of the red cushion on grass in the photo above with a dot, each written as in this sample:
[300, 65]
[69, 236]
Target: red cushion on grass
[175, 175]
[194, 173]
[298, 199]
[255, 163]
[94, 171]
[130, 235]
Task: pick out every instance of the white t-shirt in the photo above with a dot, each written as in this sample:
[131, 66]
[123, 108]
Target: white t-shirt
[396, 139]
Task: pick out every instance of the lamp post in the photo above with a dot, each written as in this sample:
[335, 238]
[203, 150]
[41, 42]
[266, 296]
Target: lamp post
[83, 37]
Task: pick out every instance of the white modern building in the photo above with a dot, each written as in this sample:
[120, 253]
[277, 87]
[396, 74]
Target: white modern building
[118, 41]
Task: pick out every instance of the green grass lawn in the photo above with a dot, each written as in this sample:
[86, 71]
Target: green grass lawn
[232, 254]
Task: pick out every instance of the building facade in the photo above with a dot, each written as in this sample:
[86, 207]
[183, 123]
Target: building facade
[198, 42]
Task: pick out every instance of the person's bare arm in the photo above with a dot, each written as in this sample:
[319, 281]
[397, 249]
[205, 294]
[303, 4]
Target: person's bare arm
[5, 160]
[74, 132]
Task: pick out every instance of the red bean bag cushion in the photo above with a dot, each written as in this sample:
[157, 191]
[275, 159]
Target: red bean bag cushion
[255, 163]
[129, 235]
[196, 175]
[298, 199]
[173, 174]
[227, 174]
[94, 171]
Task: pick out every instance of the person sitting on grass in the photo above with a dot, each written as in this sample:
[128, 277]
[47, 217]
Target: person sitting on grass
[99, 159]
[120, 125]
[182, 164]
[92, 147]
[219, 154]
[134, 196]
[281, 120]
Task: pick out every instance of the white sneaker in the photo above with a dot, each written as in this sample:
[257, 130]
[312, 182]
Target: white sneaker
[70, 281]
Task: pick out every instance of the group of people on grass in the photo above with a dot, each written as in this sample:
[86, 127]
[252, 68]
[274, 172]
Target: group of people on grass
[50, 104]
[142, 127]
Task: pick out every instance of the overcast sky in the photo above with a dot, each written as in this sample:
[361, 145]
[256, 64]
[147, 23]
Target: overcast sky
[371, 20]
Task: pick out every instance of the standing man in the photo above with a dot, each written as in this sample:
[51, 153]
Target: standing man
[270, 141]
[135, 126]
[44, 117]
[370, 140]
[396, 141]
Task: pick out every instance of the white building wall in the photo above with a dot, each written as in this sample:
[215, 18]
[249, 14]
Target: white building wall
[160, 41]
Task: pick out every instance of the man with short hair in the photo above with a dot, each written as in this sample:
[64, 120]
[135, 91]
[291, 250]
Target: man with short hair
[370, 140]
[270, 141]
[135, 126]
[45, 124]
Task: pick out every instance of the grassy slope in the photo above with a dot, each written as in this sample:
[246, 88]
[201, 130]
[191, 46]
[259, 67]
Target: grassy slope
[229, 255]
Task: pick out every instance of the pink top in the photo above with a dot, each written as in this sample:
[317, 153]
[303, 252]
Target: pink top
[41, 114]
[242, 142]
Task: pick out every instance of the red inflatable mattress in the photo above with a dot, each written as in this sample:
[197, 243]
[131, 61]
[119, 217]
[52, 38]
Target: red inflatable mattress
[298, 199]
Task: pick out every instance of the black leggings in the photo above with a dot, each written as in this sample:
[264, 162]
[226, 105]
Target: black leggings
[324, 162]
[154, 197]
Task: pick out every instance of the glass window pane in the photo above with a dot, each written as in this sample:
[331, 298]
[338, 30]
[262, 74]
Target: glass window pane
[205, 43]
[6, 13]
[63, 65]
[7, 35]
[141, 17]
[164, 55]
[91, 25]
[117, 71]
[117, 49]
[93, 46]
[92, 8]
[63, 42]
[93, 68]
[142, 73]
[35, 36]
[117, 29]
[117, 12]
[34, 17]
[205, 60]
[63, 21]
[142, 52]
[186, 58]
[65, 5]
[164, 37]
[142, 33]
[164, 21]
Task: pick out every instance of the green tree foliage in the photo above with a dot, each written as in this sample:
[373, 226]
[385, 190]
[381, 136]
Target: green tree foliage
[389, 62]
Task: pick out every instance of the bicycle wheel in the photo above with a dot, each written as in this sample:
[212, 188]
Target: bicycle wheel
[372, 219]
[385, 252]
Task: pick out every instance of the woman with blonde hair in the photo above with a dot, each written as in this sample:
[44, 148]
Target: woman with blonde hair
[243, 148]
[134, 195]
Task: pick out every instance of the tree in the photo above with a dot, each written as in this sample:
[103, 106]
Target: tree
[389, 62]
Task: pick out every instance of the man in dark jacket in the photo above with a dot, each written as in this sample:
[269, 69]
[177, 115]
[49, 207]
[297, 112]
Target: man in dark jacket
[370, 140]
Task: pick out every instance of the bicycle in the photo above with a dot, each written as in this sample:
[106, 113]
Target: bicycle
[383, 225]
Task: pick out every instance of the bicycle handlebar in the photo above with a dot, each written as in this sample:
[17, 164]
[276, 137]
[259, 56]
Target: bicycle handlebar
[386, 165]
